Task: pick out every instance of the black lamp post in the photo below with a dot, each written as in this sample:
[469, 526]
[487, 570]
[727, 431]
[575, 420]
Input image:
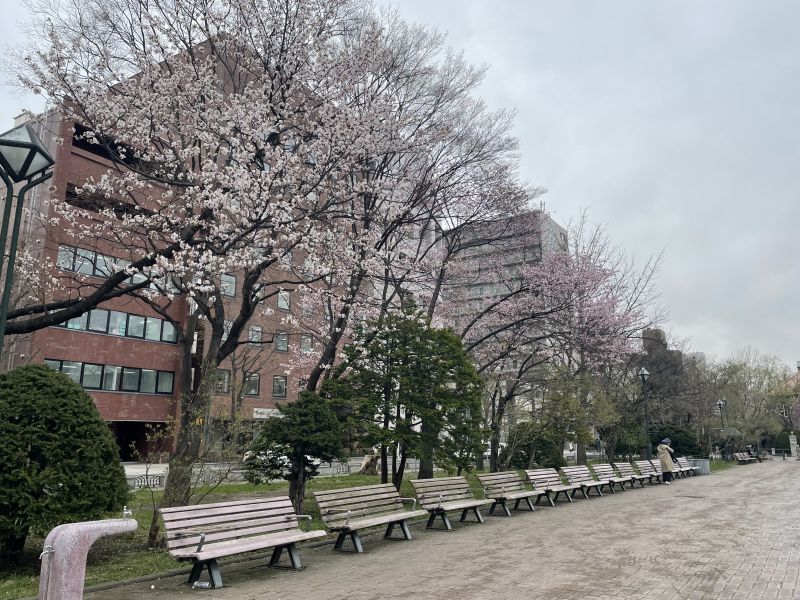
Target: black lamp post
[721, 406]
[644, 375]
[23, 157]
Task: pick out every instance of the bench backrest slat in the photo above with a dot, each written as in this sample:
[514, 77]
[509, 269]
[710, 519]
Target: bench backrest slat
[683, 462]
[430, 492]
[645, 467]
[625, 469]
[604, 471]
[360, 501]
[577, 474]
[221, 521]
[500, 483]
[656, 465]
[543, 478]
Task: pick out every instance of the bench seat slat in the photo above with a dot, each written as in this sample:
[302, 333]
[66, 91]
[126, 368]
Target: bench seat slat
[379, 488]
[374, 520]
[232, 547]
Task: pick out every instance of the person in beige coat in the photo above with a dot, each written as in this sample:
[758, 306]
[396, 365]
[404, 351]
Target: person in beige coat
[665, 456]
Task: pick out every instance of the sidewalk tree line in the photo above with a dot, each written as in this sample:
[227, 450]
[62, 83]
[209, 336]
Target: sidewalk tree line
[334, 150]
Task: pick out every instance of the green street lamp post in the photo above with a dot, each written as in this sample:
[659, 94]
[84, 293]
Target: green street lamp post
[644, 375]
[23, 157]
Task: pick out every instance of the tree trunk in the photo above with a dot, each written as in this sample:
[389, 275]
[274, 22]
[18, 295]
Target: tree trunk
[494, 450]
[297, 485]
[580, 453]
[11, 549]
[384, 464]
[427, 437]
[398, 476]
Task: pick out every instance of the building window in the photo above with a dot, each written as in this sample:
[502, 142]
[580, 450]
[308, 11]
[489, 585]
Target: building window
[165, 382]
[281, 341]
[130, 380]
[118, 323]
[147, 381]
[254, 334]
[284, 299]
[169, 333]
[136, 326]
[78, 322]
[98, 320]
[113, 378]
[223, 381]
[279, 386]
[306, 344]
[252, 384]
[92, 377]
[152, 330]
[71, 369]
[228, 285]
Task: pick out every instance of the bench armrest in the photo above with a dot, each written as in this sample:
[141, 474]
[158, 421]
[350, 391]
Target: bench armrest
[191, 532]
[414, 500]
[341, 512]
[298, 517]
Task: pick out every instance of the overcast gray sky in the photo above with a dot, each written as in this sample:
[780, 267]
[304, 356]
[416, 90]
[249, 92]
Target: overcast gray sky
[673, 123]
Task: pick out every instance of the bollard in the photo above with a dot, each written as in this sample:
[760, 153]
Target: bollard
[64, 555]
[784, 455]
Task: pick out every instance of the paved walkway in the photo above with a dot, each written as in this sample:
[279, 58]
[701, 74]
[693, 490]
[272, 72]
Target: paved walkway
[729, 536]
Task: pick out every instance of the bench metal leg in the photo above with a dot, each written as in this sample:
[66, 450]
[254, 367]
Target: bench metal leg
[276, 556]
[549, 499]
[197, 570]
[431, 519]
[406, 531]
[340, 540]
[356, 541]
[529, 503]
[446, 521]
[214, 576]
[505, 508]
[478, 514]
[389, 529]
[294, 556]
[464, 514]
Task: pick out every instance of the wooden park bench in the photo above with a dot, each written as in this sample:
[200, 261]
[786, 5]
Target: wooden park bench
[205, 532]
[549, 481]
[442, 494]
[646, 468]
[506, 486]
[605, 472]
[676, 470]
[626, 470]
[684, 463]
[580, 475]
[682, 469]
[743, 458]
[348, 510]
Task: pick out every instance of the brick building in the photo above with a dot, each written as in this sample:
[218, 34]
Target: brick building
[124, 353]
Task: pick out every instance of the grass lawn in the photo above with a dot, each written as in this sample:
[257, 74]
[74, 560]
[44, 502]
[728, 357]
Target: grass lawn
[127, 556]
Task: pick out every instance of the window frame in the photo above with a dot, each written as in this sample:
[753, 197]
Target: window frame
[286, 296]
[275, 379]
[284, 337]
[224, 289]
[247, 379]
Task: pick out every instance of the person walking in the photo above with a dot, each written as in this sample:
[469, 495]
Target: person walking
[665, 456]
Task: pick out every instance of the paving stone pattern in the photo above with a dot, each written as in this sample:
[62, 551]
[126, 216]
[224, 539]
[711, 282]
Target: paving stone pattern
[728, 536]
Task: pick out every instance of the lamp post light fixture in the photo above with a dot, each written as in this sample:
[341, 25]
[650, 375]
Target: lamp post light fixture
[644, 375]
[23, 158]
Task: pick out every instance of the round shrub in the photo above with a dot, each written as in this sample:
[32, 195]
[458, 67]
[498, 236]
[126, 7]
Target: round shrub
[58, 460]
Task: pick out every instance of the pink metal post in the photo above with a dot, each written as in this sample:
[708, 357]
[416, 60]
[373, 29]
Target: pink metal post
[64, 556]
